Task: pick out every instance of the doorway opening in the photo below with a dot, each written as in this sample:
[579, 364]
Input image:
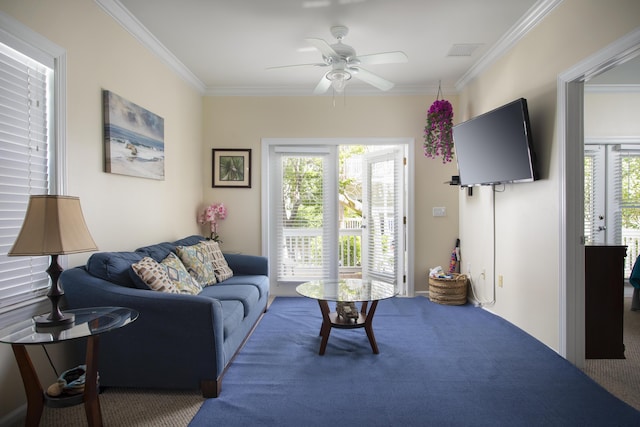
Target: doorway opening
[570, 104]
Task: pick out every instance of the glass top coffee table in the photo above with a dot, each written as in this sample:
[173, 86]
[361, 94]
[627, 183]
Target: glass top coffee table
[347, 292]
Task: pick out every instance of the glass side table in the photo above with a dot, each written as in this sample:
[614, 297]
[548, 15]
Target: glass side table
[89, 323]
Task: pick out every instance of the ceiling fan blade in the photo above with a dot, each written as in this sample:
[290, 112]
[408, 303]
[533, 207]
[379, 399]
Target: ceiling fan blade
[323, 85]
[372, 79]
[319, 64]
[324, 48]
[396, 57]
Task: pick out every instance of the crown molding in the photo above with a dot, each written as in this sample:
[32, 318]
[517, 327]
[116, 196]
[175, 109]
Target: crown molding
[120, 14]
[534, 16]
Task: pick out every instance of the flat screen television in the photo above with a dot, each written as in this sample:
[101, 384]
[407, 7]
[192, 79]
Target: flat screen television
[496, 147]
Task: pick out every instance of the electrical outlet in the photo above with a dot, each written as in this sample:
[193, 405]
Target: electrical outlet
[500, 281]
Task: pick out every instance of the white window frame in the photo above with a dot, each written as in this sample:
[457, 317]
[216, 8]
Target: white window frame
[21, 38]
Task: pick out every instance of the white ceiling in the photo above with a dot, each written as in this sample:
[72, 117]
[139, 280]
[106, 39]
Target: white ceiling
[225, 46]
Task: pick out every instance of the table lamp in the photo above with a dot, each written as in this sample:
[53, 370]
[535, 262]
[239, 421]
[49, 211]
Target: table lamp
[54, 225]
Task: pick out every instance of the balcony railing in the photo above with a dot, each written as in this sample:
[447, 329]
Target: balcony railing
[303, 252]
[303, 248]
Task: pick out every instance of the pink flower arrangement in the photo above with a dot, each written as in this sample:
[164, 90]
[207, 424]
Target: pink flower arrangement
[211, 215]
[438, 136]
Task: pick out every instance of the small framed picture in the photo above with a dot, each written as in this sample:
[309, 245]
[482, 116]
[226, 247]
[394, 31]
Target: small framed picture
[231, 168]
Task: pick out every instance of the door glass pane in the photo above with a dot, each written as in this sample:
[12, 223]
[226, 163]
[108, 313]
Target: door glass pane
[594, 195]
[303, 253]
[383, 238]
[630, 206]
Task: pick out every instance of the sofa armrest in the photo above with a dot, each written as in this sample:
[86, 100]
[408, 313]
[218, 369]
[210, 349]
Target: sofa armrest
[247, 265]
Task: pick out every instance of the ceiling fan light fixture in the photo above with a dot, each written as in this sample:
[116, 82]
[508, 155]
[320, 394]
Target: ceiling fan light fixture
[339, 79]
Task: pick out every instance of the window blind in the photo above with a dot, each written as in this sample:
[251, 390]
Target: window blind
[383, 219]
[305, 229]
[630, 204]
[589, 195]
[24, 168]
[613, 193]
[594, 194]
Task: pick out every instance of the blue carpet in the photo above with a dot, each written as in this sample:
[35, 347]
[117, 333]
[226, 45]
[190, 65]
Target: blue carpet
[438, 366]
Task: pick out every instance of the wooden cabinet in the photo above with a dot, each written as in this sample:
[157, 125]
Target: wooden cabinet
[604, 301]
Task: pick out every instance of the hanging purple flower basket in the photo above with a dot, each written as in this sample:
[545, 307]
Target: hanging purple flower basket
[438, 137]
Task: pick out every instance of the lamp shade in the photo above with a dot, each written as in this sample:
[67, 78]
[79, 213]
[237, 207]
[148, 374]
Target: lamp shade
[53, 225]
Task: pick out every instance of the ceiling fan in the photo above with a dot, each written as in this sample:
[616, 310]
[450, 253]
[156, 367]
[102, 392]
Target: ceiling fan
[345, 64]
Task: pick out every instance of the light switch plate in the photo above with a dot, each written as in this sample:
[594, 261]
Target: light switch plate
[440, 211]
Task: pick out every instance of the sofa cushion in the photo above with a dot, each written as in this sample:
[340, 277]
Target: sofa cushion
[154, 275]
[179, 275]
[232, 314]
[260, 282]
[248, 295]
[223, 272]
[114, 267]
[159, 251]
[198, 263]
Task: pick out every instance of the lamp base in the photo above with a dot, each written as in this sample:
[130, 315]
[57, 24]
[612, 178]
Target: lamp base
[56, 317]
[48, 321]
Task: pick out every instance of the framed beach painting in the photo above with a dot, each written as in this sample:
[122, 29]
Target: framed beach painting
[231, 168]
[133, 139]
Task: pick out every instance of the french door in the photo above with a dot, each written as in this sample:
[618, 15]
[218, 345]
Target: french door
[612, 196]
[308, 235]
[303, 217]
[383, 235]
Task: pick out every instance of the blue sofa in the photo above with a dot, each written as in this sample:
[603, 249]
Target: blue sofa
[178, 341]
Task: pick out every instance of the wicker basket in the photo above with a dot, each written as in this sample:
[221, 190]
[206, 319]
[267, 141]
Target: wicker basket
[448, 291]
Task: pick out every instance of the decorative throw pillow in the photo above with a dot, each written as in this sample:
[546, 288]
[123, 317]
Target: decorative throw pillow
[198, 263]
[223, 272]
[179, 275]
[154, 275]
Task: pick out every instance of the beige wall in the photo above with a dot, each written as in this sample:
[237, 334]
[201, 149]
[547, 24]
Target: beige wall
[527, 215]
[241, 122]
[611, 114]
[122, 212]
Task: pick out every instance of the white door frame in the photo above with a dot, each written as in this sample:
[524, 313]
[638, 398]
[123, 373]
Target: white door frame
[571, 164]
[266, 143]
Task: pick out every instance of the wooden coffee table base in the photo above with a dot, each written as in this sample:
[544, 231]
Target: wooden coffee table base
[332, 320]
